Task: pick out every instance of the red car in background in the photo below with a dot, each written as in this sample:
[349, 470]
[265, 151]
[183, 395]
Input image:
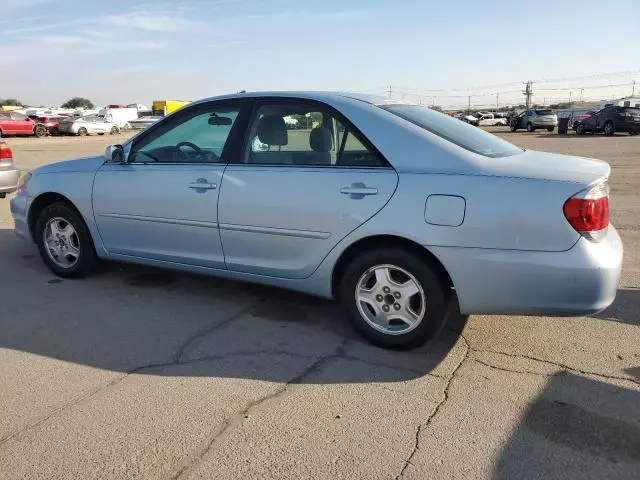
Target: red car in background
[14, 123]
[51, 122]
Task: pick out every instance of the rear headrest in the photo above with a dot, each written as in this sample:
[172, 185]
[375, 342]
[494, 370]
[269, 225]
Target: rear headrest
[272, 130]
[320, 139]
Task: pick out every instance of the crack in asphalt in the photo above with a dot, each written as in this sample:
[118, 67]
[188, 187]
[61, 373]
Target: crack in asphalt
[239, 417]
[87, 395]
[561, 366]
[503, 369]
[445, 397]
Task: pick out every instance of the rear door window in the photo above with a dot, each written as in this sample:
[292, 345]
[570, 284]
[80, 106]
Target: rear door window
[460, 133]
[306, 134]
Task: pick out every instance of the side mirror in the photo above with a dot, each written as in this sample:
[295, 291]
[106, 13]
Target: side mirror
[114, 154]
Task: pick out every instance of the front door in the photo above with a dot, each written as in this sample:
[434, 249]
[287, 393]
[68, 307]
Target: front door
[305, 181]
[21, 124]
[162, 204]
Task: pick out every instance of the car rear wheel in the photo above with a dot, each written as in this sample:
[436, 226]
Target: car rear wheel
[579, 128]
[64, 241]
[394, 298]
[114, 131]
[530, 127]
[633, 133]
[550, 129]
[608, 128]
[82, 132]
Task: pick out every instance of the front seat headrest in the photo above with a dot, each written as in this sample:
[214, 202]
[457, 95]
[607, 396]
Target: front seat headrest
[320, 139]
[272, 130]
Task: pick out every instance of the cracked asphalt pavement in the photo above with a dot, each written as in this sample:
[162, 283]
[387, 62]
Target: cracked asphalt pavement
[143, 373]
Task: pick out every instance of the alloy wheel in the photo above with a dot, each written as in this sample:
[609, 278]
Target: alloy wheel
[61, 242]
[390, 299]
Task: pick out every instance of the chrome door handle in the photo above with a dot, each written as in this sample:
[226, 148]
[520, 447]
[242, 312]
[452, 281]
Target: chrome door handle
[358, 190]
[202, 184]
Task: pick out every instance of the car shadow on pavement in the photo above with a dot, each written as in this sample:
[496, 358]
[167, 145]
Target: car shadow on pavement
[578, 427]
[127, 318]
[625, 308]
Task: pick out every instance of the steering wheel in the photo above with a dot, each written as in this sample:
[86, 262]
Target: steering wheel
[177, 152]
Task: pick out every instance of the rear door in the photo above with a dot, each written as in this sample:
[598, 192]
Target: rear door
[305, 180]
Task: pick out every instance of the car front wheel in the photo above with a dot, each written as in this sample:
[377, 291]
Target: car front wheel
[530, 127]
[579, 128]
[394, 298]
[64, 241]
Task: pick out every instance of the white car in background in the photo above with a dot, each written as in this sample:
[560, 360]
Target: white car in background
[87, 125]
[491, 120]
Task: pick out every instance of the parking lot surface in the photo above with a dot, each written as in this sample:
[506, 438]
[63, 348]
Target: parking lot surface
[142, 373]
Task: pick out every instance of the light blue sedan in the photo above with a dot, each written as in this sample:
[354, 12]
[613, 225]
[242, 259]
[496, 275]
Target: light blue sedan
[394, 209]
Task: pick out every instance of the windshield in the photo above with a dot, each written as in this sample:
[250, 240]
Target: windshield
[544, 112]
[462, 134]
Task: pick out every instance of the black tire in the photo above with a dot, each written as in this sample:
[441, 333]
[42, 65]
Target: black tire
[87, 258]
[609, 129]
[82, 132]
[550, 129]
[435, 306]
[55, 132]
[40, 131]
[530, 127]
[512, 128]
[114, 131]
[633, 133]
[579, 128]
[101, 133]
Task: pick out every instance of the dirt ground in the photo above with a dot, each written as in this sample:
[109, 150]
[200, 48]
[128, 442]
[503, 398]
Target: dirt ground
[140, 373]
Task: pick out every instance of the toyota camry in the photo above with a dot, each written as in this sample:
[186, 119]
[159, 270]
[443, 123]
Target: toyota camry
[393, 209]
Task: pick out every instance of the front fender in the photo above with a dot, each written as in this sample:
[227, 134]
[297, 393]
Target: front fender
[75, 187]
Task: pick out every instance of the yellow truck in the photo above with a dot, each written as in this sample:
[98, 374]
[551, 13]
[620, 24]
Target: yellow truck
[165, 107]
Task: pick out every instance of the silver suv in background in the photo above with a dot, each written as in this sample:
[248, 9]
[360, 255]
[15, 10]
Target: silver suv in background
[535, 118]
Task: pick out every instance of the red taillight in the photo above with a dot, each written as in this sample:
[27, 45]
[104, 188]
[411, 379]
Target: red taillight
[588, 211]
[5, 152]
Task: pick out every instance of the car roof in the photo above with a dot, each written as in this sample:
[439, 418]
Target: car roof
[310, 95]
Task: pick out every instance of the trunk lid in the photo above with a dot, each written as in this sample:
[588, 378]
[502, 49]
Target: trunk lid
[549, 166]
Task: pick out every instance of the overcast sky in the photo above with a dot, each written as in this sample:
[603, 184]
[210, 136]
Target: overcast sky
[127, 51]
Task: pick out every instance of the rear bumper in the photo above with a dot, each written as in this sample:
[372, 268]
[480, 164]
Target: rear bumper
[579, 281]
[9, 177]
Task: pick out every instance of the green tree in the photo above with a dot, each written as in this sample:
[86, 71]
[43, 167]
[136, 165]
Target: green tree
[11, 102]
[78, 102]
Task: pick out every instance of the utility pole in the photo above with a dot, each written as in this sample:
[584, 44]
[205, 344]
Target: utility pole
[528, 93]
[570, 92]
[581, 94]
[633, 88]
[497, 102]
[469, 105]
[389, 91]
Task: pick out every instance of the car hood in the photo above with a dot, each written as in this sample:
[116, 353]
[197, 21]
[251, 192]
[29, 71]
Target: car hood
[548, 166]
[83, 164]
